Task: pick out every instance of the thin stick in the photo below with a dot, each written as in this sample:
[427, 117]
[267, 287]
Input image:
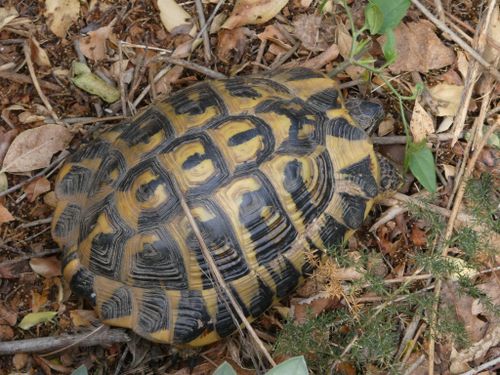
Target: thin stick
[484, 366]
[41, 254]
[218, 276]
[401, 139]
[123, 97]
[491, 69]
[44, 344]
[260, 54]
[21, 78]
[210, 19]
[440, 10]
[206, 39]
[283, 58]
[31, 68]
[473, 74]
[35, 223]
[193, 66]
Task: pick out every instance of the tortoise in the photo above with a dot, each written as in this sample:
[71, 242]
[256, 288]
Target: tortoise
[271, 168]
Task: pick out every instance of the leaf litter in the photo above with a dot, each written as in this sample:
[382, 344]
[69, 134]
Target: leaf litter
[237, 32]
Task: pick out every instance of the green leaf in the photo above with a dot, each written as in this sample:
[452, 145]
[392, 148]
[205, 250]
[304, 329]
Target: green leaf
[225, 369]
[292, 366]
[374, 18]
[421, 163]
[389, 47]
[32, 319]
[393, 12]
[82, 370]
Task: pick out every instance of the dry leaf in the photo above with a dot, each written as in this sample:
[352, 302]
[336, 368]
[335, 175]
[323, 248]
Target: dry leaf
[175, 19]
[421, 124]
[7, 14]
[46, 267]
[304, 309]
[37, 187]
[83, 318]
[462, 63]
[492, 48]
[33, 148]
[27, 117]
[445, 124]
[93, 45]
[6, 333]
[20, 360]
[419, 49]
[164, 84]
[231, 44]
[323, 58]
[307, 30]
[253, 12]
[38, 54]
[50, 199]
[5, 215]
[449, 171]
[386, 126]
[448, 98]
[7, 316]
[418, 236]
[61, 14]
[217, 23]
[5, 141]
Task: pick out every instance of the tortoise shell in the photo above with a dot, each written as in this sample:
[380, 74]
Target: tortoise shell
[272, 168]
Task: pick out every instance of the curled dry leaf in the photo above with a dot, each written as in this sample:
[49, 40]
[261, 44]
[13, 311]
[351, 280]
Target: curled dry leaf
[447, 97]
[462, 64]
[5, 215]
[164, 84]
[7, 14]
[175, 19]
[20, 360]
[419, 49]
[38, 54]
[93, 45]
[83, 318]
[33, 148]
[421, 124]
[37, 187]
[61, 14]
[315, 305]
[253, 12]
[46, 267]
[231, 44]
[7, 316]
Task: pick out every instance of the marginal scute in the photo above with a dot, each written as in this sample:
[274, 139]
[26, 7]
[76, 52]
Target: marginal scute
[270, 167]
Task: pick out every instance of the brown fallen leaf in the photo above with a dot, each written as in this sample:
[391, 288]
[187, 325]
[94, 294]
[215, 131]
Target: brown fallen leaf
[418, 236]
[447, 98]
[20, 360]
[7, 14]
[46, 267]
[38, 54]
[37, 187]
[419, 49]
[6, 333]
[5, 215]
[307, 30]
[93, 45]
[421, 124]
[5, 141]
[253, 12]
[83, 318]
[304, 309]
[61, 14]
[492, 49]
[33, 148]
[164, 84]
[323, 58]
[7, 316]
[231, 44]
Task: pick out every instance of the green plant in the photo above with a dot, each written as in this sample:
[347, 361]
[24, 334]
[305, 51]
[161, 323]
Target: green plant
[381, 17]
[292, 366]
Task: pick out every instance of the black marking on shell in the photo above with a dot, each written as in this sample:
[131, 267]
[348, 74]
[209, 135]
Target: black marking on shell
[225, 318]
[340, 127]
[353, 210]
[76, 181]
[82, 283]
[220, 239]
[366, 113]
[299, 74]
[262, 299]
[159, 264]
[269, 239]
[361, 174]
[192, 317]
[332, 232]
[154, 312]
[207, 97]
[284, 275]
[295, 185]
[325, 100]
[151, 122]
[118, 305]
[241, 88]
[112, 161]
[94, 150]
[68, 220]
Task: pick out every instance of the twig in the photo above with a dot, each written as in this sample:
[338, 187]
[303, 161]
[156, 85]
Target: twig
[21, 78]
[260, 54]
[283, 58]
[90, 120]
[491, 69]
[440, 10]
[123, 97]
[31, 68]
[44, 344]
[401, 139]
[484, 366]
[41, 254]
[193, 66]
[415, 365]
[218, 275]
[206, 39]
[35, 223]
[473, 74]
[143, 46]
[210, 19]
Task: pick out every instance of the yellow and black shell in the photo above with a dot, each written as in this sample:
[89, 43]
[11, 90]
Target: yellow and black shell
[271, 167]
